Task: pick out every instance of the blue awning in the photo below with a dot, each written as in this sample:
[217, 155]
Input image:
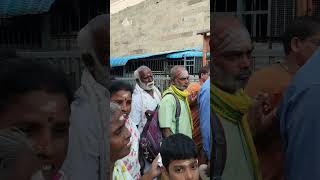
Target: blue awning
[185, 54]
[22, 7]
[121, 61]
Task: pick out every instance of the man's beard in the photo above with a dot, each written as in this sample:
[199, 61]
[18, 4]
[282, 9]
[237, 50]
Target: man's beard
[228, 82]
[147, 86]
[181, 87]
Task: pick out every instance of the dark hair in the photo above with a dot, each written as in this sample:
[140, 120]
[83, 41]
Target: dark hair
[301, 27]
[19, 76]
[177, 147]
[203, 70]
[118, 85]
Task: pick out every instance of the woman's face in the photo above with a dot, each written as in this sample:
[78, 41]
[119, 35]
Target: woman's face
[124, 99]
[119, 137]
[44, 117]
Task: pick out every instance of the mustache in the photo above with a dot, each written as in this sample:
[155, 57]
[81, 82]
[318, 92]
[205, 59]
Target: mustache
[244, 73]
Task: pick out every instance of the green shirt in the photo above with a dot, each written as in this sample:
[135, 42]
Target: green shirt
[238, 163]
[167, 112]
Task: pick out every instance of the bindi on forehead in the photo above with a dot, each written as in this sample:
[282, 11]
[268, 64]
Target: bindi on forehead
[126, 96]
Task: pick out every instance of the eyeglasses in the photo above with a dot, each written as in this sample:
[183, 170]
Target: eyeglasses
[183, 79]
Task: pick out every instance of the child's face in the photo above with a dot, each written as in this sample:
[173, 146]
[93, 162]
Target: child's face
[183, 170]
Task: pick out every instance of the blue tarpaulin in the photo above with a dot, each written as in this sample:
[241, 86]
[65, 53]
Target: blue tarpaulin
[22, 7]
[191, 52]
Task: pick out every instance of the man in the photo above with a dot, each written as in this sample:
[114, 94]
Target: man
[167, 111]
[231, 49]
[179, 158]
[87, 156]
[204, 74]
[204, 108]
[120, 93]
[146, 96]
[299, 111]
[300, 41]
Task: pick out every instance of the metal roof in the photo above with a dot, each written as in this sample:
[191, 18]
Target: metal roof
[22, 7]
[121, 61]
[185, 54]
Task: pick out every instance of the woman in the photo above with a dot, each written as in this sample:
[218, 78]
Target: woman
[120, 146]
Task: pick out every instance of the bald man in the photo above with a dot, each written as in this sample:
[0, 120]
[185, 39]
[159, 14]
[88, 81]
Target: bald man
[233, 143]
[88, 151]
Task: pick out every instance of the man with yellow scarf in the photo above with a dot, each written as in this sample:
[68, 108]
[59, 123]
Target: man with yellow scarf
[231, 49]
[167, 110]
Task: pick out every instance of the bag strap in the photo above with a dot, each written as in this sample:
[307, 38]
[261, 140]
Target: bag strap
[178, 110]
[219, 147]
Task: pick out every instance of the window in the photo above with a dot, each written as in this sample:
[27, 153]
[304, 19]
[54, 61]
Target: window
[254, 14]
[225, 5]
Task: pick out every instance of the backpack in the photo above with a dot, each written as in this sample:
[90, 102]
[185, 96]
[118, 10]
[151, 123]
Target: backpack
[151, 136]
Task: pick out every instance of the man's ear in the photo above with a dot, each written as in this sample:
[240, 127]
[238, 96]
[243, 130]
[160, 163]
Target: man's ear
[295, 44]
[202, 74]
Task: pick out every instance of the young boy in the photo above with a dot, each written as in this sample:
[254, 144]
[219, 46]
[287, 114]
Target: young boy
[179, 158]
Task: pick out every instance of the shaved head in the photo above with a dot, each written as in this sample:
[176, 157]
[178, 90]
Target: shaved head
[228, 34]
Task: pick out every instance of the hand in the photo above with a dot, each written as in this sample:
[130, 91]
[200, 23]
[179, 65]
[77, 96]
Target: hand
[154, 170]
[261, 113]
[260, 107]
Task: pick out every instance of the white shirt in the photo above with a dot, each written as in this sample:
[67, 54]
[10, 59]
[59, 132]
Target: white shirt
[142, 101]
[88, 149]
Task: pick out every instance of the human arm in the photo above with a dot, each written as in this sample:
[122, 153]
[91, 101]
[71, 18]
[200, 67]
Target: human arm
[167, 115]
[299, 123]
[136, 109]
[166, 132]
[204, 110]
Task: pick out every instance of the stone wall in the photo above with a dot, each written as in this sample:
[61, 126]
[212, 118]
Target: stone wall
[159, 25]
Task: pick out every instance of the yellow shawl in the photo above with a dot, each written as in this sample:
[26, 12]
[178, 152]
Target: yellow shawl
[234, 108]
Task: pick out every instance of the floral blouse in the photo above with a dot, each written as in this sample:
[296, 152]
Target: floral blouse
[131, 161]
[120, 171]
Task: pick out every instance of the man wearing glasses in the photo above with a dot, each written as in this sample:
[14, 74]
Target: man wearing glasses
[167, 111]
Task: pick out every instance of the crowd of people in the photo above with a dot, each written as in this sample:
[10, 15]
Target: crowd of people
[134, 102]
[66, 135]
[230, 124]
